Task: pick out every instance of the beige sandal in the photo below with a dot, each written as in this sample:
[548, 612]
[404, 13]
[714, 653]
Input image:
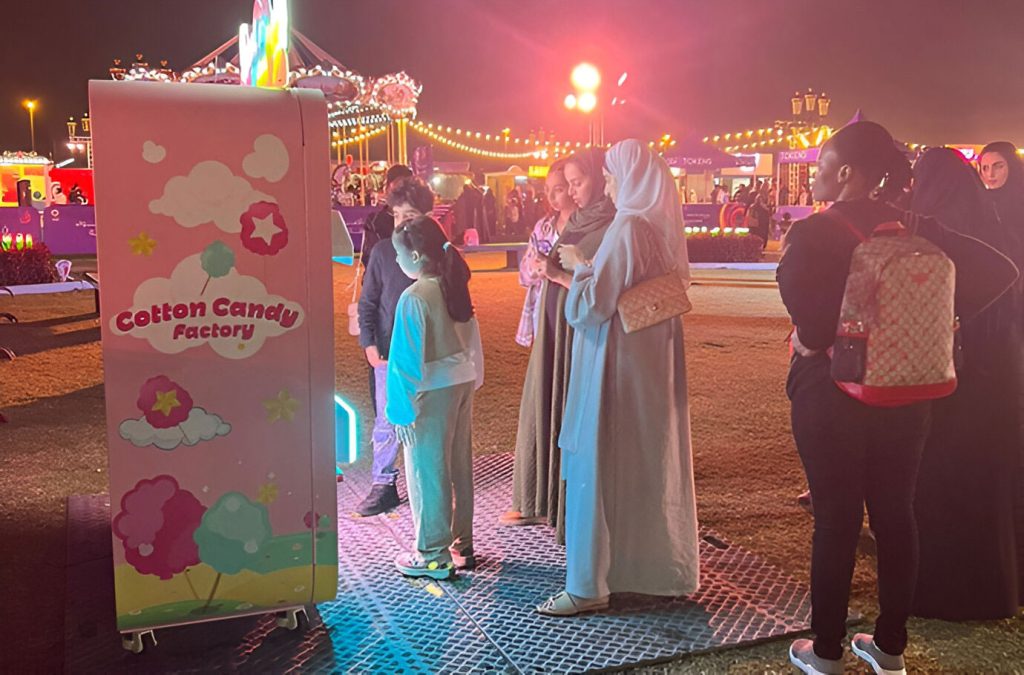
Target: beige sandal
[567, 604]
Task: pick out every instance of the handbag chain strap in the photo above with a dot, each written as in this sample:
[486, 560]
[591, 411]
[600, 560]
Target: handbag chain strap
[658, 243]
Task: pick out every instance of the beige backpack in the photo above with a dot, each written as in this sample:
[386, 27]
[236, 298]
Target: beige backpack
[897, 334]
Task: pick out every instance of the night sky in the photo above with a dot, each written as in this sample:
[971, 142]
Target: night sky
[933, 71]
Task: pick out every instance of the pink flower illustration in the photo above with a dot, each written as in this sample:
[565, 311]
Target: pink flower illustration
[264, 231]
[156, 524]
[311, 520]
[164, 402]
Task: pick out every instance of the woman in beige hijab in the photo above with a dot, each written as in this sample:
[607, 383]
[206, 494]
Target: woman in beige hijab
[631, 516]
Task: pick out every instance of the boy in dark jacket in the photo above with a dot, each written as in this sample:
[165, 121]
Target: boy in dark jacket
[380, 225]
[408, 198]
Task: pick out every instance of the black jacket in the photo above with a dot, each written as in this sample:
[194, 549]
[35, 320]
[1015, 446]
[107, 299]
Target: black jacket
[813, 270]
[382, 286]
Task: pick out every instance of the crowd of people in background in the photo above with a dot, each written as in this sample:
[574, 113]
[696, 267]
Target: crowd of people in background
[473, 218]
[603, 452]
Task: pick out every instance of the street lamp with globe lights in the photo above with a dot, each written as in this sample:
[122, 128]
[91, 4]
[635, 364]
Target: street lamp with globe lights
[585, 79]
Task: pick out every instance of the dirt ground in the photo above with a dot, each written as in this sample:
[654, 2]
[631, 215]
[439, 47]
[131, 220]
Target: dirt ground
[747, 469]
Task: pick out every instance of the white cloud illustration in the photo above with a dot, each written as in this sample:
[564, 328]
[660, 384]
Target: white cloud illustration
[210, 193]
[235, 313]
[268, 160]
[153, 153]
[200, 426]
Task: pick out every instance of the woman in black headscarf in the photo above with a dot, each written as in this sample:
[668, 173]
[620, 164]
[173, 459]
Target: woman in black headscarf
[538, 493]
[965, 488]
[1003, 173]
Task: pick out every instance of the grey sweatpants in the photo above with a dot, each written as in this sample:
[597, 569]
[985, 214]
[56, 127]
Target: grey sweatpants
[439, 472]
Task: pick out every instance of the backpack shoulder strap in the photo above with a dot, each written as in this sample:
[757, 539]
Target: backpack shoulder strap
[835, 216]
[658, 243]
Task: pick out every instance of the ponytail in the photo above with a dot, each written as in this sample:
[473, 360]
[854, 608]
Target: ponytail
[455, 276]
[897, 179]
[425, 236]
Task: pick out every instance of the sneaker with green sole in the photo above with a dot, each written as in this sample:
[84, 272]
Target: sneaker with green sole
[412, 565]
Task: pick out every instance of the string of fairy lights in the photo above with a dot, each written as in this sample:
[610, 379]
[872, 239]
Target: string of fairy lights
[753, 140]
[461, 139]
[540, 148]
[359, 137]
[532, 147]
[770, 138]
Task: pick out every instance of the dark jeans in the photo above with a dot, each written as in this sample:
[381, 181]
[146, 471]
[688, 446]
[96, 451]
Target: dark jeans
[852, 454]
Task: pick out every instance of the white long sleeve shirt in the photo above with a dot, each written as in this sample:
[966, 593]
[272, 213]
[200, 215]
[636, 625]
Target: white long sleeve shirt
[429, 350]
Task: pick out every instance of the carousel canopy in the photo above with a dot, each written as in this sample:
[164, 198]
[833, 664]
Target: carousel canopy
[353, 100]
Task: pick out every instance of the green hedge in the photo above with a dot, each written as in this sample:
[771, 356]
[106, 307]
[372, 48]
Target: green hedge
[27, 266]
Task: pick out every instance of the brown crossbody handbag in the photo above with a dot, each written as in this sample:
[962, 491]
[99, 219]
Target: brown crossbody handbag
[654, 300]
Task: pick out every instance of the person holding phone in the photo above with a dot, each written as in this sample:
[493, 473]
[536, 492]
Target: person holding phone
[574, 187]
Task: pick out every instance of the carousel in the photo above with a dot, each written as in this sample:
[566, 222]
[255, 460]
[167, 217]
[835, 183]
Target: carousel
[359, 107]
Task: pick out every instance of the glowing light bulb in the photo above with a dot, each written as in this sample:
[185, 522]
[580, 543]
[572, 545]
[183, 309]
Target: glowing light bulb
[587, 102]
[585, 77]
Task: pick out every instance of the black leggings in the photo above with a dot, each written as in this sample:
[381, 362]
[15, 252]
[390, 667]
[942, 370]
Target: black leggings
[852, 454]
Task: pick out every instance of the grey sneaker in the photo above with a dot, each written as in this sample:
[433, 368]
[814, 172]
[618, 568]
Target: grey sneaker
[864, 646]
[801, 655]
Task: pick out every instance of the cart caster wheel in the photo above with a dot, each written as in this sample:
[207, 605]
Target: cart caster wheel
[289, 618]
[134, 643]
[10, 317]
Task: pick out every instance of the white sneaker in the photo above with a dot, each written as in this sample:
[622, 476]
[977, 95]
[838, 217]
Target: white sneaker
[801, 655]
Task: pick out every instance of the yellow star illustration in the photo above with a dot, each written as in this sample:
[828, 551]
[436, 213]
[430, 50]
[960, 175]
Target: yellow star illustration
[268, 493]
[281, 408]
[142, 244]
[166, 401]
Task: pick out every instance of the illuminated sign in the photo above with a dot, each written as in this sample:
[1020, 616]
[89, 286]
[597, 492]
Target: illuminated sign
[263, 47]
[799, 156]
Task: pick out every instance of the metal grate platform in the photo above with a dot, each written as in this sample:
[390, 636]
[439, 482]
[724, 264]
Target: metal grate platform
[481, 623]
